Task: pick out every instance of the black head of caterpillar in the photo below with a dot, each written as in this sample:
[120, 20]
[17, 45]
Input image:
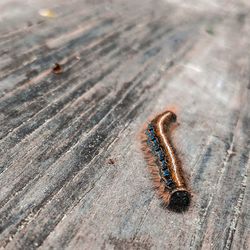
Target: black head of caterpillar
[164, 164]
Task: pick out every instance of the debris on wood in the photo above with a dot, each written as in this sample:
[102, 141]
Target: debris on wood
[210, 30]
[111, 161]
[57, 69]
[29, 24]
[47, 13]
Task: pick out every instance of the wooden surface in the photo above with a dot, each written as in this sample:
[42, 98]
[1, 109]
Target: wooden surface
[72, 174]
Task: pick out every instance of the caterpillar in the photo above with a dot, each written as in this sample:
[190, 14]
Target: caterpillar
[164, 164]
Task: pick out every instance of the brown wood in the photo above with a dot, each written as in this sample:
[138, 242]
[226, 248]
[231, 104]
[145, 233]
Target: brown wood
[122, 62]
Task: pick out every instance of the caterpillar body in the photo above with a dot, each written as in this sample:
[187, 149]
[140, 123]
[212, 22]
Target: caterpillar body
[164, 164]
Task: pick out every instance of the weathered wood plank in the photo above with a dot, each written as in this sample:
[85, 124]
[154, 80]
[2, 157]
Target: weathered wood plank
[122, 63]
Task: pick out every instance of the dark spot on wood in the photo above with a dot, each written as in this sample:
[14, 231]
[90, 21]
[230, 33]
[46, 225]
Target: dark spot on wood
[210, 30]
[171, 63]
[29, 23]
[241, 17]
[111, 161]
[57, 69]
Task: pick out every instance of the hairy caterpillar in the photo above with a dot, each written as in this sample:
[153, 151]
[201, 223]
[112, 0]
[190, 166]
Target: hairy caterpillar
[164, 165]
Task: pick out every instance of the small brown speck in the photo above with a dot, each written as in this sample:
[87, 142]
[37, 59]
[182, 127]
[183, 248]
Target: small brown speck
[29, 24]
[111, 161]
[57, 69]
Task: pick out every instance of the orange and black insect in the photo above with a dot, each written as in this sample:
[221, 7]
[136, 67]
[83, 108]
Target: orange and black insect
[164, 163]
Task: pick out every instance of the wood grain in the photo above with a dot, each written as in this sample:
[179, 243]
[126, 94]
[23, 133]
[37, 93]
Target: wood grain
[72, 173]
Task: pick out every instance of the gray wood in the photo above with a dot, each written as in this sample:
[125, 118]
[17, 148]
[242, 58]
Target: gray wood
[72, 174]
